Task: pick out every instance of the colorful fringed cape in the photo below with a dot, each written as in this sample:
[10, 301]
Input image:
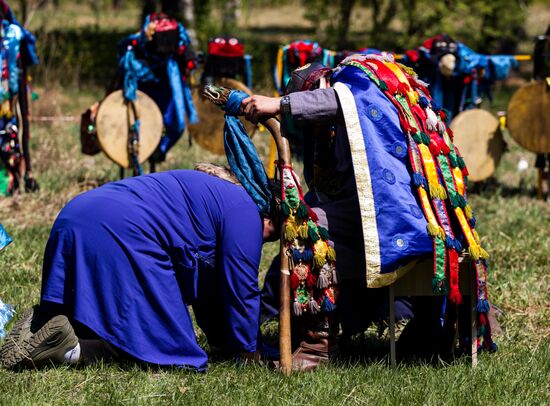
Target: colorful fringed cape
[403, 153]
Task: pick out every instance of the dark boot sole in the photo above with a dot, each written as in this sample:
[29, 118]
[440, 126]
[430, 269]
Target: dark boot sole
[22, 352]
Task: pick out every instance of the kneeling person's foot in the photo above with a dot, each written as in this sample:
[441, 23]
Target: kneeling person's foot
[36, 340]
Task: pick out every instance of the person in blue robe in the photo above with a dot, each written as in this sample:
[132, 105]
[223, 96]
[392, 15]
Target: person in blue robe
[124, 261]
[377, 227]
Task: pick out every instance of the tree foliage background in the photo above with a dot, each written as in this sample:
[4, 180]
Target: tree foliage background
[489, 26]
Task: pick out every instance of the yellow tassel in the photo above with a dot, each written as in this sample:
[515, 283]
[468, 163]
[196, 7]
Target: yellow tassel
[433, 229]
[302, 231]
[437, 191]
[442, 192]
[331, 254]
[484, 254]
[413, 97]
[433, 190]
[321, 248]
[442, 234]
[318, 261]
[475, 251]
[289, 233]
[476, 236]
[468, 212]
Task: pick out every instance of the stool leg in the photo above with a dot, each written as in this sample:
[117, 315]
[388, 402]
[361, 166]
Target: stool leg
[539, 183]
[473, 315]
[393, 360]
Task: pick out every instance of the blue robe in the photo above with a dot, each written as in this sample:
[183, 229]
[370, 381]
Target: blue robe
[127, 259]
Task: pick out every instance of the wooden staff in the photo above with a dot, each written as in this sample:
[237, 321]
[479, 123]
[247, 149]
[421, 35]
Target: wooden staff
[285, 344]
[218, 96]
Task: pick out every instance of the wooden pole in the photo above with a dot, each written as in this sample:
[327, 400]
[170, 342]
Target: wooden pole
[285, 343]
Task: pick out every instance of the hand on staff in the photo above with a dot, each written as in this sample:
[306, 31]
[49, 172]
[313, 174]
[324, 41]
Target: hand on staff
[256, 107]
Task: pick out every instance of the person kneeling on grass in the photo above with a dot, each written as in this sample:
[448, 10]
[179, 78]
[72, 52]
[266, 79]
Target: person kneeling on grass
[124, 261]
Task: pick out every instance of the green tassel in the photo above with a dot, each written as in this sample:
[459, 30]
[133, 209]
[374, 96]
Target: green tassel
[313, 235]
[285, 208]
[292, 197]
[302, 212]
[331, 254]
[312, 232]
[383, 86]
[318, 261]
[461, 201]
[417, 137]
[289, 233]
[461, 163]
[323, 233]
[453, 159]
[437, 285]
[34, 96]
[425, 138]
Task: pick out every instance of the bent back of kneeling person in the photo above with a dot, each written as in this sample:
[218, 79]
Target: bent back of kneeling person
[125, 261]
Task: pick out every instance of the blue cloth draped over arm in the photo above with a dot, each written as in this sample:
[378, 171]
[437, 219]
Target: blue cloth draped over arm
[501, 66]
[242, 156]
[28, 48]
[134, 71]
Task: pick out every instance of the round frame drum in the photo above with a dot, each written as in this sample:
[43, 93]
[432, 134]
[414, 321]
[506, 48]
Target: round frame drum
[478, 137]
[208, 132]
[112, 123]
[528, 117]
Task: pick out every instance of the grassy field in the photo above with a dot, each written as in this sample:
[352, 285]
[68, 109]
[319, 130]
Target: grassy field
[514, 227]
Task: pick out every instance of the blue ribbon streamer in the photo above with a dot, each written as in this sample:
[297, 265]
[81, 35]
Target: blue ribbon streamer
[5, 239]
[242, 156]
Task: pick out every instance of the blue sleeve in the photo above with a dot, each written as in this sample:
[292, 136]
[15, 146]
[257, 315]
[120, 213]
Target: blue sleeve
[239, 258]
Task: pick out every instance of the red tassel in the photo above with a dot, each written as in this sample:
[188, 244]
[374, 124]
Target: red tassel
[465, 171]
[442, 115]
[294, 281]
[451, 134]
[312, 215]
[403, 88]
[435, 148]
[445, 150]
[311, 280]
[454, 291]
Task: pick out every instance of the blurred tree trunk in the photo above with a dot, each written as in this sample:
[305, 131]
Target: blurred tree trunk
[117, 4]
[383, 11]
[188, 14]
[231, 14]
[148, 7]
[342, 30]
[24, 9]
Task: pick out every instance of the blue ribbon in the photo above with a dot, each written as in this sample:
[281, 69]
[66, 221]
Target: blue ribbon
[5, 239]
[134, 72]
[242, 155]
[12, 43]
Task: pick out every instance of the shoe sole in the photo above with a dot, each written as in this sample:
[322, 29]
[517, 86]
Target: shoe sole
[17, 352]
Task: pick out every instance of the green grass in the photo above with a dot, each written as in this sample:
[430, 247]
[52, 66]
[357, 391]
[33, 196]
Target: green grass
[514, 228]
[513, 225]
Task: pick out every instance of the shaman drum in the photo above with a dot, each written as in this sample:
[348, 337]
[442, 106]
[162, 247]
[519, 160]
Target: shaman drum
[528, 117]
[478, 137]
[208, 132]
[113, 122]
